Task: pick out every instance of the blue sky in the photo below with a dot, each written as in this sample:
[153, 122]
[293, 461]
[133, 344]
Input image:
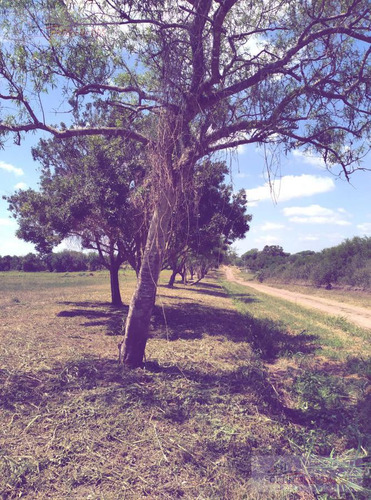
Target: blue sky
[308, 208]
[305, 207]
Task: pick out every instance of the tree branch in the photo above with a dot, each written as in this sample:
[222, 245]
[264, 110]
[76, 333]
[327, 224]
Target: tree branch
[276, 67]
[76, 132]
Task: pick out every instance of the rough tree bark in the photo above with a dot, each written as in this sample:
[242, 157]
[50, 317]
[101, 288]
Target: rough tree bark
[172, 278]
[176, 269]
[115, 285]
[132, 348]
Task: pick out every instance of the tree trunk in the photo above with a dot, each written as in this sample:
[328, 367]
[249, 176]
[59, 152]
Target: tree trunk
[138, 321]
[191, 273]
[183, 274]
[172, 278]
[115, 285]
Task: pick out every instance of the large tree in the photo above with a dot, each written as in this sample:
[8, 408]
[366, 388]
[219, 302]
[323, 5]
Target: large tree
[89, 190]
[207, 75]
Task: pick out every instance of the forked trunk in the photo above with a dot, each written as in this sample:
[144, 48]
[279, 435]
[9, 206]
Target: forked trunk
[115, 286]
[138, 321]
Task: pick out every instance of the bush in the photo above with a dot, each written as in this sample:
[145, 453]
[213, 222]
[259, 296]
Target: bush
[33, 263]
[348, 264]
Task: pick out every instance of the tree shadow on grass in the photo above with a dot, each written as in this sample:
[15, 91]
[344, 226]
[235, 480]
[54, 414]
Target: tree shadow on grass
[39, 387]
[246, 298]
[97, 314]
[202, 288]
[193, 321]
[43, 388]
[190, 320]
[86, 303]
[209, 289]
[334, 402]
[100, 382]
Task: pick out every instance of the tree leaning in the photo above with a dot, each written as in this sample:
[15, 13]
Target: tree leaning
[205, 75]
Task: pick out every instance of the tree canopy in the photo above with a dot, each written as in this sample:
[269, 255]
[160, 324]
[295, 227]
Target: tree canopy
[89, 188]
[237, 71]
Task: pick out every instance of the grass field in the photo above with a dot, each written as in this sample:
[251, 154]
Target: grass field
[243, 396]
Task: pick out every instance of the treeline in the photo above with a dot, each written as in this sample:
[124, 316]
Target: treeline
[59, 262]
[348, 264]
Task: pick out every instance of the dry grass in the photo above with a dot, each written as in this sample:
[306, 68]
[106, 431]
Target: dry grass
[188, 426]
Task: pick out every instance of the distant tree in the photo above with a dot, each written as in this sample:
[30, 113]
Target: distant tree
[303, 254]
[94, 261]
[347, 264]
[10, 263]
[66, 261]
[87, 190]
[204, 229]
[33, 263]
[250, 254]
[274, 251]
[232, 258]
[248, 258]
[263, 262]
[324, 273]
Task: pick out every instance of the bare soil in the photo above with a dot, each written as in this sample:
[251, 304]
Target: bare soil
[354, 314]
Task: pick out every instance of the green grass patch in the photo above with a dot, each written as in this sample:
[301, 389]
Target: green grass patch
[22, 281]
[292, 329]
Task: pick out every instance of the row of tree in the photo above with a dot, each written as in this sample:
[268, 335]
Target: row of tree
[97, 190]
[58, 262]
[181, 81]
[347, 264]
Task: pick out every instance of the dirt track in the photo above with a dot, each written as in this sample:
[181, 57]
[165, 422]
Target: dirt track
[358, 315]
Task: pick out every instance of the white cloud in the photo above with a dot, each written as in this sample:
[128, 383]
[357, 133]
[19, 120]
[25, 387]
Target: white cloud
[315, 214]
[310, 211]
[316, 161]
[271, 226]
[7, 222]
[21, 185]
[15, 246]
[242, 175]
[290, 187]
[71, 243]
[11, 168]
[365, 228]
[268, 239]
[309, 237]
[320, 220]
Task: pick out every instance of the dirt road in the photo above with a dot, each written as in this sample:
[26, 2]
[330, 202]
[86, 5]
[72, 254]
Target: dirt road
[358, 315]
